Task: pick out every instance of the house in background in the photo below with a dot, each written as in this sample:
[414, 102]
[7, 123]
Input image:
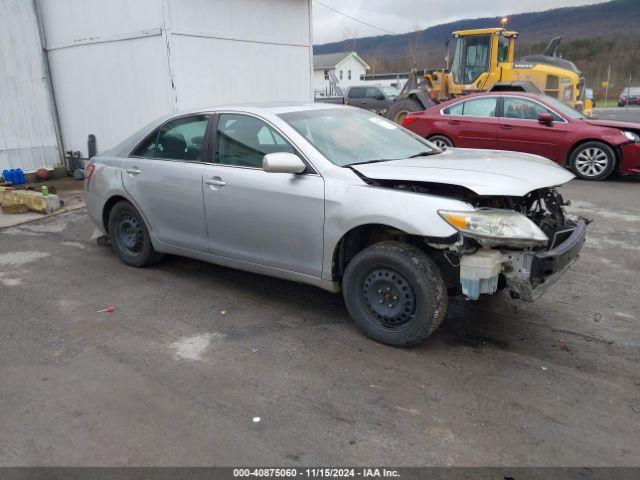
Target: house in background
[348, 67]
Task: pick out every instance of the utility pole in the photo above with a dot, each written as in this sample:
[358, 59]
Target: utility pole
[626, 104]
[606, 89]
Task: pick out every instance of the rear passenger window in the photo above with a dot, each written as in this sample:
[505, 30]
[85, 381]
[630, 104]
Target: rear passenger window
[148, 148]
[480, 107]
[356, 92]
[454, 109]
[183, 138]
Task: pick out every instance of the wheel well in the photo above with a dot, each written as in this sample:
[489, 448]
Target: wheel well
[359, 238]
[439, 135]
[567, 161]
[106, 211]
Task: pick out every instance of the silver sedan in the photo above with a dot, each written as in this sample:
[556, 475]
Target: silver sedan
[339, 198]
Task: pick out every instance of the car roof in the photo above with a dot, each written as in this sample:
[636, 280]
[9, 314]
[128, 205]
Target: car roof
[275, 108]
[536, 96]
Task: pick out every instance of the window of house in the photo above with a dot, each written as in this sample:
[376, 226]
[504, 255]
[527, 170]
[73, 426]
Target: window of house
[326, 74]
[349, 74]
[243, 140]
[340, 74]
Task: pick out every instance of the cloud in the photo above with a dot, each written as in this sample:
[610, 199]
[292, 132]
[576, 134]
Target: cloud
[401, 16]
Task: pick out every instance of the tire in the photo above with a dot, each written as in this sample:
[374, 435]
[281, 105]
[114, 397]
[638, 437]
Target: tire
[441, 141]
[129, 236]
[405, 277]
[593, 161]
[398, 110]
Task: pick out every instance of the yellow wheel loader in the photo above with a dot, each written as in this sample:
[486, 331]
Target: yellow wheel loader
[483, 61]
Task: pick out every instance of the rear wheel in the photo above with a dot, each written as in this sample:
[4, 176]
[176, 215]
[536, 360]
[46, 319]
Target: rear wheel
[398, 110]
[441, 141]
[129, 236]
[395, 293]
[593, 161]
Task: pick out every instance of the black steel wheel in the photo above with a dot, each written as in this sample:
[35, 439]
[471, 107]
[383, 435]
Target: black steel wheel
[129, 236]
[395, 293]
[389, 298]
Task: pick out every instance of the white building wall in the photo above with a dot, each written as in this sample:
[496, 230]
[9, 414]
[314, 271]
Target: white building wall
[120, 64]
[320, 85]
[27, 131]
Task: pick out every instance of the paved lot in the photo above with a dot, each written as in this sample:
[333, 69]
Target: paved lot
[630, 114]
[193, 352]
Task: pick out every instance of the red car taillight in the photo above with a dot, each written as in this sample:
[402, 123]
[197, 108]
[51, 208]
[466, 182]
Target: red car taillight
[408, 120]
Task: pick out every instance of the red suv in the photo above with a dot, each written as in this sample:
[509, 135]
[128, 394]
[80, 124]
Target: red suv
[532, 123]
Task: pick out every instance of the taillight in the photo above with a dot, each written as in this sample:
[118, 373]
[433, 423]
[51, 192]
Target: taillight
[408, 120]
[89, 171]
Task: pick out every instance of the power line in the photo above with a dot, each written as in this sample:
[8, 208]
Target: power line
[353, 18]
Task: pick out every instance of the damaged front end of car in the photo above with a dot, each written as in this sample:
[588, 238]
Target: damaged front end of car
[523, 244]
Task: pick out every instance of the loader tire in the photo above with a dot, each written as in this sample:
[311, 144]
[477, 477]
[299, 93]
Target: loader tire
[399, 110]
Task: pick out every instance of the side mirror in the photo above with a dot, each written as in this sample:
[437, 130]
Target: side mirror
[545, 118]
[380, 97]
[283, 162]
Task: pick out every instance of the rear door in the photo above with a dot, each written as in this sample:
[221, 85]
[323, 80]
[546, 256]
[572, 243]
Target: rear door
[163, 177]
[272, 219]
[473, 123]
[520, 130]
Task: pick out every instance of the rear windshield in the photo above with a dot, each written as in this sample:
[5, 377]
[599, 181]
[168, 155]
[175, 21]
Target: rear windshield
[632, 91]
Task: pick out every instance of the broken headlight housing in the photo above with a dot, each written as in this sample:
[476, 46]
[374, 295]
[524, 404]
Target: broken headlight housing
[492, 226]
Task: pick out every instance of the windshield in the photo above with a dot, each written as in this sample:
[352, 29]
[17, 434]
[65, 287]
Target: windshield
[632, 91]
[389, 91]
[347, 136]
[563, 107]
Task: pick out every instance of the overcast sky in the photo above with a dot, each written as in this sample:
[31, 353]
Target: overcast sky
[401, 16]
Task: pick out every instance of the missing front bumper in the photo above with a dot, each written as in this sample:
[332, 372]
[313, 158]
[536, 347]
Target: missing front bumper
[530, 274]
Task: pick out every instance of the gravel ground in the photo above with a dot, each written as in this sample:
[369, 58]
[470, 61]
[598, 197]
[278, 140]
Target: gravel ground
[194, 353]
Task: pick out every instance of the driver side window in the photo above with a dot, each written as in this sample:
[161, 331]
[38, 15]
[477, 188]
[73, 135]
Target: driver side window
[243, 141]
[523, 109]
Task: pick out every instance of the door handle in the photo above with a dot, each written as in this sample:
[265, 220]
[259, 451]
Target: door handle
[215, 182]
[454, 122]
[506, 127]
[363, 102]
[134, 171]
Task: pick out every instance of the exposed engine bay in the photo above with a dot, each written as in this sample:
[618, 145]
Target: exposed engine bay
[544, 206]
[483, 268]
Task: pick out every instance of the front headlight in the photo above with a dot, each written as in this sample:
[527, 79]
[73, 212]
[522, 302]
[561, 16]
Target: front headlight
[496, 227]
[634, 137]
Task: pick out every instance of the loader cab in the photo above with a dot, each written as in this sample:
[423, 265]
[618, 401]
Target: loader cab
[478, 55]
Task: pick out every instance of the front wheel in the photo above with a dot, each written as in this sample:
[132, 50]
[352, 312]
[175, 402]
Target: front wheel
[593, 161]
[395, 293]
[129, 236]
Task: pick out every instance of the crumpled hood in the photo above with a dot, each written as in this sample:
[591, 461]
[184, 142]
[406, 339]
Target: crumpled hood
[486, 172]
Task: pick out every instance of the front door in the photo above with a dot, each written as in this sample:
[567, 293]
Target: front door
[163, 176]
[520, 130]
[272, 219]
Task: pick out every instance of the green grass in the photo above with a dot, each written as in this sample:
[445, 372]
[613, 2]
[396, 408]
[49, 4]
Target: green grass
[611, 102]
